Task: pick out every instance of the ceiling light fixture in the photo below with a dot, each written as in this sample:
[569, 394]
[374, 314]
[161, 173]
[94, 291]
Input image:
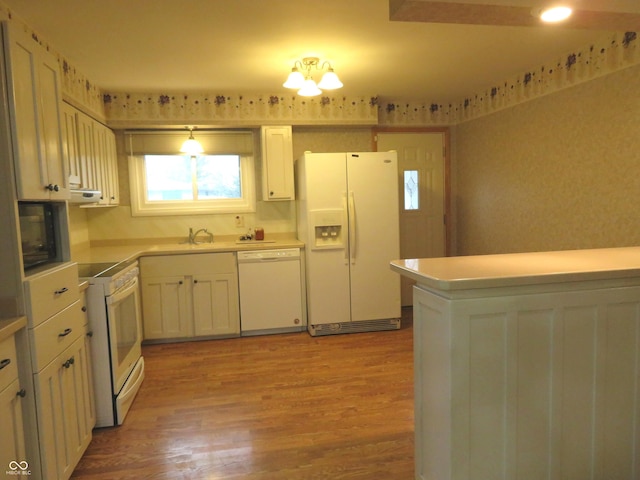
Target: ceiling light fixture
[554, 14]
[304, 82]
[191, 146]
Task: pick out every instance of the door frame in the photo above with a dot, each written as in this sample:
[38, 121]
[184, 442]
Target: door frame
[448, 216]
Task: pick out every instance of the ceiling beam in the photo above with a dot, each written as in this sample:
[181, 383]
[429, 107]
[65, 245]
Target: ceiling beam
[505, 15]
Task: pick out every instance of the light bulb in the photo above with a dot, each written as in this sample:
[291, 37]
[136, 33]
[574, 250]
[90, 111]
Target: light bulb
[555, 14]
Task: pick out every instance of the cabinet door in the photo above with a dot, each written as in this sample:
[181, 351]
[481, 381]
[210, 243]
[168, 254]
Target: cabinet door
[164, 307]
[99, 155]
[31, 176]
[277, 163]
[70, 146]
[52, 385]
[50, 97]
[87, 372]
[12, 446]
[85, 150]
[215, 304]
[111, 168]
[34, 101]
[78, 394]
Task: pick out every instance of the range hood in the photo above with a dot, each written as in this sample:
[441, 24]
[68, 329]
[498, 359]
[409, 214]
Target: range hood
[85, 195]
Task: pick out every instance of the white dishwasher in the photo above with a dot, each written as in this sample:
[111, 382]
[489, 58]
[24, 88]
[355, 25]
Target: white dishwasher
[271, 293]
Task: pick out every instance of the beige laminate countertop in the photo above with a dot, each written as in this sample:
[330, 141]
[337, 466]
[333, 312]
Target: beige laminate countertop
[517, 269]
[126, 252]
[9, 326]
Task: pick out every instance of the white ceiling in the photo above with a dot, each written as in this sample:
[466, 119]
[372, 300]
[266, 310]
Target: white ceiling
[248, 46]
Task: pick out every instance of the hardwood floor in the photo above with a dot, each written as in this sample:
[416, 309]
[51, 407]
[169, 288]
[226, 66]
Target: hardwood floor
[271, 408]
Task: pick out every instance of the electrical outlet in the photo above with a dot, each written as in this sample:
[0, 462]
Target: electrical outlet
[239, 221]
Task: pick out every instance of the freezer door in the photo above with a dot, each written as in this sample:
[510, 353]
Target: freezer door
[374, 235]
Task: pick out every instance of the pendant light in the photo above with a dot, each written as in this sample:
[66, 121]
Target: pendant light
[304, 82]
[191, 146]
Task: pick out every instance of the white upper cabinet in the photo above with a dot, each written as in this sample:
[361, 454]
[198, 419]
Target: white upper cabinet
[90, 154]
[277, 163]
[35, 102]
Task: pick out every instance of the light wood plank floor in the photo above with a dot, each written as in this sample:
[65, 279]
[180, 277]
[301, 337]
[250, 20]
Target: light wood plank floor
[271, 408]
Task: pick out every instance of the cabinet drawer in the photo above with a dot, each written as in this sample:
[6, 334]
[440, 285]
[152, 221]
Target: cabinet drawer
[50, 338]
[188, 264]
[50, 292]
[8, 362]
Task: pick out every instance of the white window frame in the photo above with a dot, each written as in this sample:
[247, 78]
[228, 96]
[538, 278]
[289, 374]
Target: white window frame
[143, 143]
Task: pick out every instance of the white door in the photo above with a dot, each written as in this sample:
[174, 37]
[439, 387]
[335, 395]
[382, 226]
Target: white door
[373, 235]
[422, 195]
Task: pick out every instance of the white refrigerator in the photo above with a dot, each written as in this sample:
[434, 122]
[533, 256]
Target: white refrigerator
[347, 216]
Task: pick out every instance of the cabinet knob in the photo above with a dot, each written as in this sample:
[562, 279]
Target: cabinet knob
[90, 333]
[195, 281]
[52, 188]
[180, 282]
[69, 362]
[5, 362]
[61, 291]
[21, 393]
[84, 308]
[271, 194]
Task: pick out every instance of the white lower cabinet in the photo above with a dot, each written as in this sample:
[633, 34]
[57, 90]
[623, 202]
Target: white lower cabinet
[63, 399]
[61, 371]
[164, 307]
[12, 439]
[12, 447]
[186, 296]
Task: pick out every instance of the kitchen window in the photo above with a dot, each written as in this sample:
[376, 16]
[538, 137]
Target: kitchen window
[166, 183]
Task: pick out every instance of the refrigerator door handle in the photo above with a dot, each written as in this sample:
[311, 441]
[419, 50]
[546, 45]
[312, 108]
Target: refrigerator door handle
[353, 237]
[345, 220]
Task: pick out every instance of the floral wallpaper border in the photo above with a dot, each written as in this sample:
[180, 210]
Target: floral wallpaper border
[163, 108]
[618, 51]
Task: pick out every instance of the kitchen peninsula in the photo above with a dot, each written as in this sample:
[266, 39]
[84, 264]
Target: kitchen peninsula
[527, 365]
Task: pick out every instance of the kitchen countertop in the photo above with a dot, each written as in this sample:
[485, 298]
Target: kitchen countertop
[9, 326]
[126, 251]
[518, 269]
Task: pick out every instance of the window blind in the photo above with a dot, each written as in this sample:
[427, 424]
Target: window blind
[169, 142]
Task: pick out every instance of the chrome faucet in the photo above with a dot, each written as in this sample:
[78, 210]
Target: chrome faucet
[193, 236]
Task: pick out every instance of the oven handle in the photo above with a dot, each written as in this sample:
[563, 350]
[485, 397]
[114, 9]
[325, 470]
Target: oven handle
[123, 292]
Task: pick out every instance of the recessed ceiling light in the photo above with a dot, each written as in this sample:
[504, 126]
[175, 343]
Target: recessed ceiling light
[555, 14]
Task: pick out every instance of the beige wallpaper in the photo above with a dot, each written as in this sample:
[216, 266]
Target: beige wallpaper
[559, 172]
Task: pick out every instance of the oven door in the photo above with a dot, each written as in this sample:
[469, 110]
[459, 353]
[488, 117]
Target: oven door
[125, 337]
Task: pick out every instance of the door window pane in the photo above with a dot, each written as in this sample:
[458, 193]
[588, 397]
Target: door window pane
[411, 190]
